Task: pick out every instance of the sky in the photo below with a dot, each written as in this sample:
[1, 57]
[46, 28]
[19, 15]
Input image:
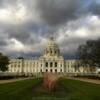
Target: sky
[26, 25]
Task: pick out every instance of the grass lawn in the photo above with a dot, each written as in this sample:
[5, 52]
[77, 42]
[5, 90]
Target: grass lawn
[66, 90]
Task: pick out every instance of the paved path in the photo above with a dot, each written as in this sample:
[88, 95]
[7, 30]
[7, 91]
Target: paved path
[13, 80]
[87, 80]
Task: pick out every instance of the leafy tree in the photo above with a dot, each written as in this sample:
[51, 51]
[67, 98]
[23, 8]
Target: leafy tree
[4, 61]
[89, 53]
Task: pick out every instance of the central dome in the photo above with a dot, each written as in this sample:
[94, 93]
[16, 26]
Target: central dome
[52, 48]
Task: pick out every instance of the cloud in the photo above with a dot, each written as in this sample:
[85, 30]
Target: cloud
[90, 6]
[25, 25]
[55, 12]
[78, 32]
[17, 45]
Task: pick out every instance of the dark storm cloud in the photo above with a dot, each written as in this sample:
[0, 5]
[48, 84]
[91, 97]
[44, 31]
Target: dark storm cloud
[56, 12]
[25, 32]
[3, 43]
[53, 16]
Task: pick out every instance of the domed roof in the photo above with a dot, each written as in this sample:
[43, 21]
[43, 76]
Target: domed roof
[52, 48]
[51, 42]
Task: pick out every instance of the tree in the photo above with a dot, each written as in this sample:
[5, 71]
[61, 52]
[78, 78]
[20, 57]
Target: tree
[89, 53]
[4, 61]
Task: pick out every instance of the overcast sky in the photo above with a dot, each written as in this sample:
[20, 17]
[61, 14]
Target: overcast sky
[25, 25]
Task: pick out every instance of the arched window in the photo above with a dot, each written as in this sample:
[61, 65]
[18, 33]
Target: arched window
[51, 70]
[55, 52]
[50, 51]
[51, 64]
[46, 70]
[60, 70]
[56, 70]
[46, 64]
[55, 64]
[41, 70]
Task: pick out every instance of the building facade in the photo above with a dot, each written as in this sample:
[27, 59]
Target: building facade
[51, 61]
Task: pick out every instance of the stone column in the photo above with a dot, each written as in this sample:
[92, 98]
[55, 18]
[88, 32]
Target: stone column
[48, 66]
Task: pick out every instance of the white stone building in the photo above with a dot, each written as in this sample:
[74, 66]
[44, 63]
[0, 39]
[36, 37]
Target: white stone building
[51, 61]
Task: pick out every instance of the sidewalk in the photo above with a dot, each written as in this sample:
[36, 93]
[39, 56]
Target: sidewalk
[87, 80]
[13, 80]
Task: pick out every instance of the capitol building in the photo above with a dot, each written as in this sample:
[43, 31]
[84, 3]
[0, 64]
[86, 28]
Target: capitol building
[51, 61]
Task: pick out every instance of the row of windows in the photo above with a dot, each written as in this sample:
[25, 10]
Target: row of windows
[14, 65]
[51, 51]
[28, 64]
[67, 63]
[51, 64]
[51, 70]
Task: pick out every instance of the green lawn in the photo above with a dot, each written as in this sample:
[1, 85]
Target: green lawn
[66, 90]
